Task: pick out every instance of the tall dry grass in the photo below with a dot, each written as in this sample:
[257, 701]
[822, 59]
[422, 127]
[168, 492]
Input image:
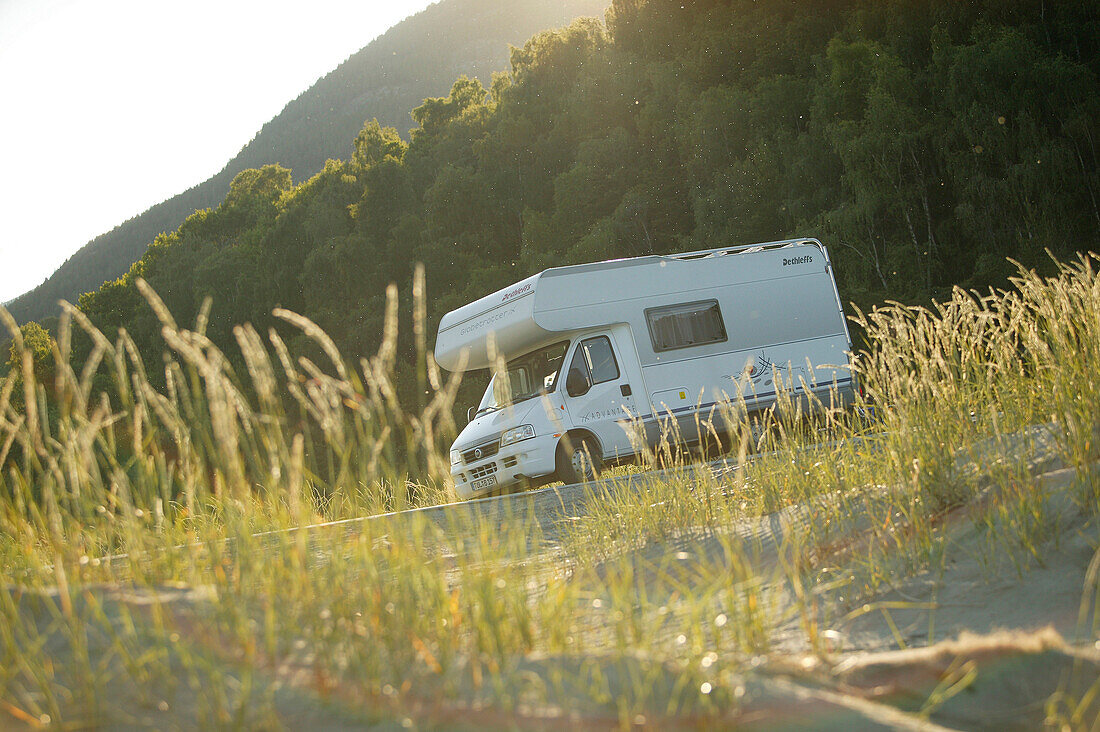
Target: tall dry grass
[158, 569]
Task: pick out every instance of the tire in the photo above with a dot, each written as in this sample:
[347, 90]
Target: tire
[579, 461]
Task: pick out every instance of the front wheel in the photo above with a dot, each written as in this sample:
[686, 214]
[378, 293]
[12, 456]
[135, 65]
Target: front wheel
[579, 460]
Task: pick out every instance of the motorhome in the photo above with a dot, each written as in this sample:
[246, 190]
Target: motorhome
[594, 363]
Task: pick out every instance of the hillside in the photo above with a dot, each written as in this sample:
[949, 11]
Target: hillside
[925, 143]
[415, 59]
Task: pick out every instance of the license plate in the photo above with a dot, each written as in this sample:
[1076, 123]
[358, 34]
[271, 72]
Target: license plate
[482, 484]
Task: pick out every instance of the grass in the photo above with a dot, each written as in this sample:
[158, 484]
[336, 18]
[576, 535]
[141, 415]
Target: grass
[158, 572]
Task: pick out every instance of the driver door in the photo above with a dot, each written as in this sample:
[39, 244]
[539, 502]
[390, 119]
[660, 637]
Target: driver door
[598, 396]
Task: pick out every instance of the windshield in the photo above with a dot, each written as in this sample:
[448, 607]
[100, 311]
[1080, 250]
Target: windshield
[525, 377]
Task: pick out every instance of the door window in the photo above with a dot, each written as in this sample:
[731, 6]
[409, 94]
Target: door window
[600, 359]
[593, 363]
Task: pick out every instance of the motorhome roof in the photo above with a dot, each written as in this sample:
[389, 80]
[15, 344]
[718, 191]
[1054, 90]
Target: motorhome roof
[536, 311]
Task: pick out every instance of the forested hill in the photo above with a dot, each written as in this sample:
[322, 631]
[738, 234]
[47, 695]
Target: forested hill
[417, 58]
[924, 141]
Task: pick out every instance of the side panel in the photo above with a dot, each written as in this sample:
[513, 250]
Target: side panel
[755, 315]
[788, 332]
[749, 373]
[632, 365]
[793, 324]
[588, 296]
[634, 381]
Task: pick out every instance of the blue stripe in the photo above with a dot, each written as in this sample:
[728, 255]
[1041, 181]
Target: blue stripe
[757, 397]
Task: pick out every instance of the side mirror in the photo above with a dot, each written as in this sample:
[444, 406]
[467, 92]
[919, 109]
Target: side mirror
[576, 383]
[470, 414]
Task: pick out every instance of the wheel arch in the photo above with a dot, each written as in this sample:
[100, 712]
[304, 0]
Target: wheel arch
[575, 435]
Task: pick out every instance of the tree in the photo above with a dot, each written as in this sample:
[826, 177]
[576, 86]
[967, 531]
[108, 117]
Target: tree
[38, 343]
[374, 144]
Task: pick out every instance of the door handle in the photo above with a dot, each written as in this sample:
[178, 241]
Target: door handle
[625, 389]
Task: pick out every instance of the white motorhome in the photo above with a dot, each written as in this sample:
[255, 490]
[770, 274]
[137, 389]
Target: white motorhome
[592, 352]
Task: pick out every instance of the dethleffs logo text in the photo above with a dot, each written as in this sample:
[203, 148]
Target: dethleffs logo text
[798, 260]
[516, 292]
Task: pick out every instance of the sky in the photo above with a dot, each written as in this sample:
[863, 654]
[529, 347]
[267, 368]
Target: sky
[108, 107]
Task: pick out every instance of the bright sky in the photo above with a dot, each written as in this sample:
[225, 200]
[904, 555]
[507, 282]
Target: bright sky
[108, 107]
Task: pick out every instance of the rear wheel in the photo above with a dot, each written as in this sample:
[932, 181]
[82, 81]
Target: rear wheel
[579, 460]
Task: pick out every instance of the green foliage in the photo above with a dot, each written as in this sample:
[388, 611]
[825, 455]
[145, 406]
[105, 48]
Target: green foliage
[924, 142]
[374, 144]
[37, 343]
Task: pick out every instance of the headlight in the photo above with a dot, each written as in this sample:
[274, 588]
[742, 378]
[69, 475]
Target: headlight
[456, 457]
[523, 432]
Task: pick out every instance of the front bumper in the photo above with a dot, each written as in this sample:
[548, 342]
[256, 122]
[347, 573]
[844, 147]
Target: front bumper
[514, 465]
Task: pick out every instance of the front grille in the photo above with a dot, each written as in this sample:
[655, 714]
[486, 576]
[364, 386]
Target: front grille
[487, 450]
[483, 471]
[510, 462]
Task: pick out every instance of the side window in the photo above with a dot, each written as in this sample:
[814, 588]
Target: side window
[682, 326]
[601, 359]
[593, 363]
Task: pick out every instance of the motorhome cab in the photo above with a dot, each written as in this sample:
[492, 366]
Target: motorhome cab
[599, 358]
